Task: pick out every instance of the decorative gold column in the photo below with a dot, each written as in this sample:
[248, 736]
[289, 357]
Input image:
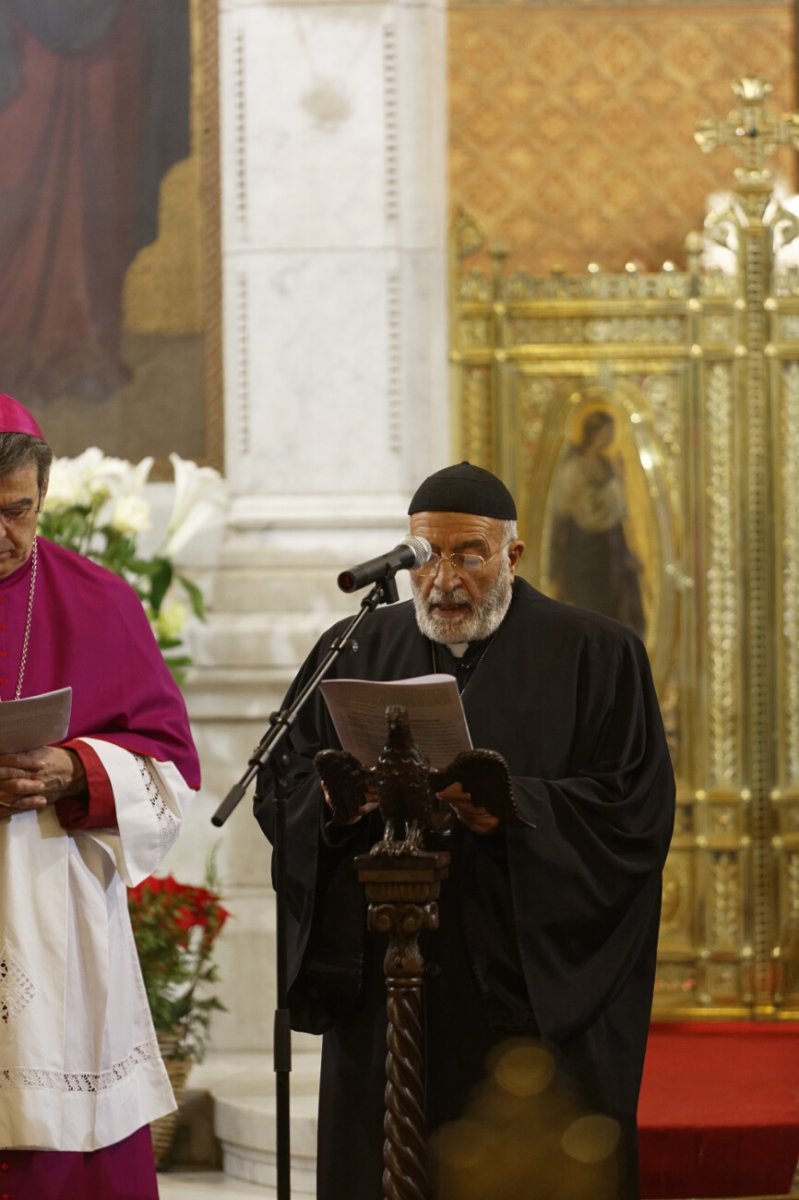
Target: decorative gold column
[754, 134]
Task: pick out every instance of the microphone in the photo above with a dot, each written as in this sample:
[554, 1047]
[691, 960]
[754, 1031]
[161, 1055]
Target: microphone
[412, 552]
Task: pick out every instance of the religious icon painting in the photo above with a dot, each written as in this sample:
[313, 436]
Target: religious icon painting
[606, 540]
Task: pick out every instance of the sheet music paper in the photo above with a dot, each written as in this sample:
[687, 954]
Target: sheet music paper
[34, 721]
[435, 712]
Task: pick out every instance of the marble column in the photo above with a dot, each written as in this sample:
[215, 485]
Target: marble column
[336, 394]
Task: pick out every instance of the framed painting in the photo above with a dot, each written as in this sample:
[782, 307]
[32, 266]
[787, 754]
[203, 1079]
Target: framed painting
[109, 225]
[594, 557]
[599, 522]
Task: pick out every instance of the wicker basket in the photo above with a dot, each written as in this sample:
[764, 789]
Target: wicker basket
[163, 1129]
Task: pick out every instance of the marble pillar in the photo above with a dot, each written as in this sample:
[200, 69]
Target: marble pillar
[336, 394]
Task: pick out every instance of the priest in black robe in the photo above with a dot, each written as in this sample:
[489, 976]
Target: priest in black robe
[548, 925]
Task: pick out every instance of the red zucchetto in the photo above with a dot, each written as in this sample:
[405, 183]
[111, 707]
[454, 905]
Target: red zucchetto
[14, 418]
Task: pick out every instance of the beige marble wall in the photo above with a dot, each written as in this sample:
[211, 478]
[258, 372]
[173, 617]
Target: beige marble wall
[335, 350]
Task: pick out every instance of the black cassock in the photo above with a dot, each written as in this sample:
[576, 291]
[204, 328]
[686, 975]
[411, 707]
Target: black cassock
[548, 931]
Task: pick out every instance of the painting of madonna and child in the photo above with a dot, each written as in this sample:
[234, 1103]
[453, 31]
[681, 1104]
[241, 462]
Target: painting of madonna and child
[598, 545]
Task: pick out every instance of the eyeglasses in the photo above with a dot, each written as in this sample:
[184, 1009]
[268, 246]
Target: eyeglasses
[464, 562]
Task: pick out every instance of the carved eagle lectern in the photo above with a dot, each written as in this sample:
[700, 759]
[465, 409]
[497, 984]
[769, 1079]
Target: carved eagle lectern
[407, 788]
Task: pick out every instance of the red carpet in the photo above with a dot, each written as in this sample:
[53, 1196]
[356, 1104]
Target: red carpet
[719, 1111]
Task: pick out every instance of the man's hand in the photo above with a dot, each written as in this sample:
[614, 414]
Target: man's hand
[478, 820]
[37, 778]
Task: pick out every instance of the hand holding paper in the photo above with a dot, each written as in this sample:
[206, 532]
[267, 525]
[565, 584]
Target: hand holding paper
[474, 784]
[34, 773]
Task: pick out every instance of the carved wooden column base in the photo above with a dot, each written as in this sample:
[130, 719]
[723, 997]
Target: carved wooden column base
[402, 892]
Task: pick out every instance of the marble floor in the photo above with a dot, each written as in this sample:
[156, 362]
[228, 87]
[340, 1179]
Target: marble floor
[229, 1106]
[208, 1185]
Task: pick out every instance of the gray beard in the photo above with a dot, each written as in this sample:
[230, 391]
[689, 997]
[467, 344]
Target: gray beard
[477, 624]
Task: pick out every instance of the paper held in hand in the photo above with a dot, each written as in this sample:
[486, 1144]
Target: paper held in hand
[34, 721]
[435, 712]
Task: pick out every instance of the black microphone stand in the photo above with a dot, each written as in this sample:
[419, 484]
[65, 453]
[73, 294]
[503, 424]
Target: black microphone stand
[265, 756]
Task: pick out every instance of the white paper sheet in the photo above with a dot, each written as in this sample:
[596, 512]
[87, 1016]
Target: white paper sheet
[435, 713]
[34, 721]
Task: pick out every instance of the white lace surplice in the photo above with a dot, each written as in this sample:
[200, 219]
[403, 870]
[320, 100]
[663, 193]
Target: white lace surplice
[79, 1062]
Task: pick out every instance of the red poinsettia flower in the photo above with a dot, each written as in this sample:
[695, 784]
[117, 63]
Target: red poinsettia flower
[175, 926]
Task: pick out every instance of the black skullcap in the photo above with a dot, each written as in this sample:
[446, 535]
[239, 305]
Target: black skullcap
[466, 489]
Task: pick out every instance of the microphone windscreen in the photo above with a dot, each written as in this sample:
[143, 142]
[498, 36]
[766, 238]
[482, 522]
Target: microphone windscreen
[421, 548]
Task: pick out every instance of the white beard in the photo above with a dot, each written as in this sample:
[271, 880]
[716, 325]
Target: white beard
[474, 626]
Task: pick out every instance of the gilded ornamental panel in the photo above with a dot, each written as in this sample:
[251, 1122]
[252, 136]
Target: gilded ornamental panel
[677, 391]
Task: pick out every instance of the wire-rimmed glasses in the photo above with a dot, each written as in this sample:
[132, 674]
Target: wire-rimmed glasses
[462, 562]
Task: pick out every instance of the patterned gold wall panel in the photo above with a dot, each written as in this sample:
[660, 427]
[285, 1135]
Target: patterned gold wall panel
[571, 125]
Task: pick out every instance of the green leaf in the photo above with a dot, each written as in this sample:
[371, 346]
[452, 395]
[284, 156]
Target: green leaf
[170, 644]
[160, 579]
[196, 597]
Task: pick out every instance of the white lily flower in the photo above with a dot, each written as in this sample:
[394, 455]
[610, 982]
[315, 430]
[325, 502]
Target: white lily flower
[124, 478]
[113, 490]
[94, 471]
[140, 473]
[199, 498]
[72, 480]
[65, 488]
[130, 515]
[108, 478]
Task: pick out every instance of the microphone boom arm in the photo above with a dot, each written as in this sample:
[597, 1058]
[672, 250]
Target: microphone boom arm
[383, 592]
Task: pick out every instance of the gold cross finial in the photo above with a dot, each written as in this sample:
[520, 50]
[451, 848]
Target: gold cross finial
[750, 129]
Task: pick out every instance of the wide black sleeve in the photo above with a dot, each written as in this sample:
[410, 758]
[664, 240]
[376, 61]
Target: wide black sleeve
[586, 881]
